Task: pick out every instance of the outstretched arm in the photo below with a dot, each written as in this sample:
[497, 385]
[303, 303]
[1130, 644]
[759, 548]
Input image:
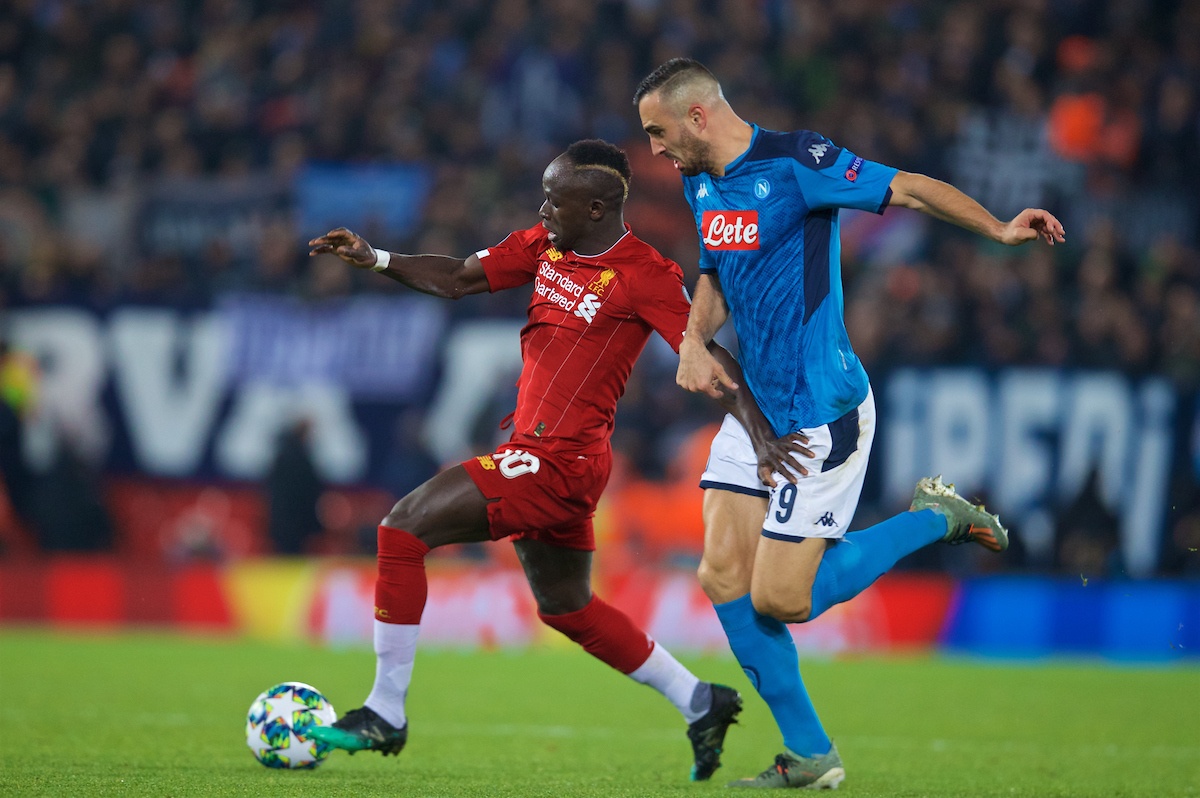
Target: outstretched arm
[944, 201]
[438, 275]
[774, 454]
[699, 371]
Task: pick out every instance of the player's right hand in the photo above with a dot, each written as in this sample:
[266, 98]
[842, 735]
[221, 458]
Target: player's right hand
[347, 245]
[781, 456]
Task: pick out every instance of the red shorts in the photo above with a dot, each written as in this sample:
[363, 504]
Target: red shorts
[538, 495]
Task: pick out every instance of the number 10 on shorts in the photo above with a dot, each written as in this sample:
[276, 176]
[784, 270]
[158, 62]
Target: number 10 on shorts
[515, 462]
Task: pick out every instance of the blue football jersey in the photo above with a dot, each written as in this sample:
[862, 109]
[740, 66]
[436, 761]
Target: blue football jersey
[769, 231]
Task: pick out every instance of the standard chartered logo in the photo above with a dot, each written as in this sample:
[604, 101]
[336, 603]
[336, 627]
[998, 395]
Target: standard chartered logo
[588, 306]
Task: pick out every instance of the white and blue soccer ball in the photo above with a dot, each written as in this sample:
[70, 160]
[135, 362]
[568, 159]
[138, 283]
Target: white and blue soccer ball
[278, 722]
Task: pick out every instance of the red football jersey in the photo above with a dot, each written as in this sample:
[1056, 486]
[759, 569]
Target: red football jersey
[589, 318]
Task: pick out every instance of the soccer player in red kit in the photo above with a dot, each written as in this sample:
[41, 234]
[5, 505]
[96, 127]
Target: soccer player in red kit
[598, 293]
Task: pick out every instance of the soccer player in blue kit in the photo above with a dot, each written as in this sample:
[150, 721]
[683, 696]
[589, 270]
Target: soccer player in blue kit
[766, 209]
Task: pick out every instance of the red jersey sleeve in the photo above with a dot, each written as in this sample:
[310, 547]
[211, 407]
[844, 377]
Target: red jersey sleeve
[514, 260]
[662, 301]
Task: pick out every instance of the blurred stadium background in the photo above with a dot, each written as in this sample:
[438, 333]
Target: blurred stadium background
[201, 426]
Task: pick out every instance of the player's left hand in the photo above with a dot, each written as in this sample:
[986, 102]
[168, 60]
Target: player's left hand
[780, 457]
[1032, 224]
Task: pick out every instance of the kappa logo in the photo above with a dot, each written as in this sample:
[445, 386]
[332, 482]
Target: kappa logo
[825, 520]
[703, 192]
[730, 229]
[817, 151]
[588, 307]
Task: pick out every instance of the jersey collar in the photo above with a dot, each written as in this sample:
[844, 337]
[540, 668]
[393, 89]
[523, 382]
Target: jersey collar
[628, 232]
[736, 162]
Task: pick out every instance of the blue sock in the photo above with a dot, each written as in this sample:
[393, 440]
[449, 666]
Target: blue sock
[860, 558]
[764, 648]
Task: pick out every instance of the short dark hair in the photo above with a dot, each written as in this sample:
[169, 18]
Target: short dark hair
[598, 152]
[668, 72]
[609, 160]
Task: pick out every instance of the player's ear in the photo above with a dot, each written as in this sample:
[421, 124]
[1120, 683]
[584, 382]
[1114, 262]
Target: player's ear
[697, 116]
[596, 211]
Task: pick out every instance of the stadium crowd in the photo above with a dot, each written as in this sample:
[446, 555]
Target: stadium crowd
[1086, 107]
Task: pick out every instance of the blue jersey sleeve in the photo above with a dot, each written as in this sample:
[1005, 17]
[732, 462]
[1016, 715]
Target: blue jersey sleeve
[848, 182]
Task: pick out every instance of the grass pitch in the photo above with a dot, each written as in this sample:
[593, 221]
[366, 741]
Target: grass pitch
[162, 715]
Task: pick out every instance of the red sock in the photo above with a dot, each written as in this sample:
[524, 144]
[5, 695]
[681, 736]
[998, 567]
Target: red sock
[606, 633]
[401, 588]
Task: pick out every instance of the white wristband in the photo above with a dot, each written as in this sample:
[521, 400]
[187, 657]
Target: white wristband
[382, 258]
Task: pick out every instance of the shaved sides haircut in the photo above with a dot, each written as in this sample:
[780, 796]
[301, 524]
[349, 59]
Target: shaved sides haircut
[608, 162]
[680, 80]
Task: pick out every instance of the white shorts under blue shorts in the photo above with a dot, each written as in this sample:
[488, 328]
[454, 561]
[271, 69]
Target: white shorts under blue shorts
[822, 503]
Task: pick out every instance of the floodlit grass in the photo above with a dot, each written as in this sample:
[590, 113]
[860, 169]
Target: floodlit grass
[162, 715]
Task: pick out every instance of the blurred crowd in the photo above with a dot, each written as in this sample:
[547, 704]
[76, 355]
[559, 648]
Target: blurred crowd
[1087, 107]
[103, 96]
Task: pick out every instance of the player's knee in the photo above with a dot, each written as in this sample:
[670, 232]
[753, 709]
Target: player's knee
[561, 601]
[396, 520]
[709, 579]
[789, 609]
[548, 611]
[406, 515]
[723, 579]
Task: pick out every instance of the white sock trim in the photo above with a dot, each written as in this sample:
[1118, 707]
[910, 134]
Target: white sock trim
[664, 673]
[395, 650]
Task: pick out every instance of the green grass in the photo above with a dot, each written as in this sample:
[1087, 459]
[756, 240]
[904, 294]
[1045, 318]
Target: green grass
[160, 715]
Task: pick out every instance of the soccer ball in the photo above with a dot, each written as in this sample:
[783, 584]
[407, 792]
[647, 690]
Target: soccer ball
[278, 722]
